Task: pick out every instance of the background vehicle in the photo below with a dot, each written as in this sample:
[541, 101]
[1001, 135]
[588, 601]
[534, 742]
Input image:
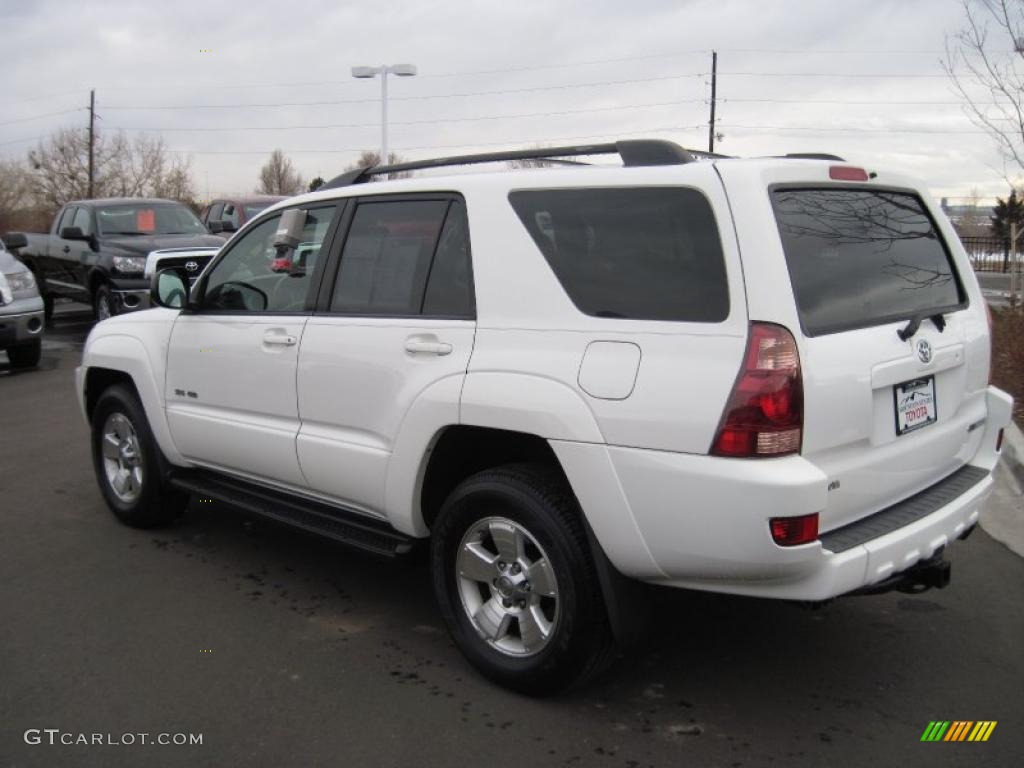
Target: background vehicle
[225, 216]
[765, 377]
[96, 250]
[21, 310]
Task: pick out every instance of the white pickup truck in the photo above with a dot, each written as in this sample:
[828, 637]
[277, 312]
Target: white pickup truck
[765, 377]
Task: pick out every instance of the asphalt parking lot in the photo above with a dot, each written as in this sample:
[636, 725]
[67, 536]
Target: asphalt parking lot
[282, 649]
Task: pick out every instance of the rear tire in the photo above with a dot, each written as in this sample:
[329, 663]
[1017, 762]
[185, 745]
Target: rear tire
[516, 583]
[128, 463]
[26, 355]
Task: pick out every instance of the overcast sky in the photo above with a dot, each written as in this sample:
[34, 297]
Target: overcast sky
[794, 75]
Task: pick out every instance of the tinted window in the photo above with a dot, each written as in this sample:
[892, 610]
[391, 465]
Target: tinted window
[66, 216]
[254, 276]
[858, 258]
[230, 214]
[639, 253]
[387, 256]
[213, 214]
[450, 285]
[82, 220]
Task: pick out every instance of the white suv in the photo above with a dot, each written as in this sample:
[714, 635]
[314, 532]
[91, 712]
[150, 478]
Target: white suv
[765, 377]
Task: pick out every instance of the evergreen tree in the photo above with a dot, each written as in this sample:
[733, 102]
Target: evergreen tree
[1006, 212]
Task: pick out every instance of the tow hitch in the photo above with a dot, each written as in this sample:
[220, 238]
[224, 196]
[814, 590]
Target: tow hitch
[922, 576]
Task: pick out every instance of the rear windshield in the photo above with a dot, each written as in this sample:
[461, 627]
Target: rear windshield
[638, 253]
[859, 258]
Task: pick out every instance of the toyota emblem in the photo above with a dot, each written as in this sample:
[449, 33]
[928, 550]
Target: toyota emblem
[192, 266]
[924, 351]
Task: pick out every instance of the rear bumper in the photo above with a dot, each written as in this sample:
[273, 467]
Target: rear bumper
[704, 521]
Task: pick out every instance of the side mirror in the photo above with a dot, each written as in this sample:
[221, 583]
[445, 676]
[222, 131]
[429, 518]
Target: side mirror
[228, 225]
[15, 240]
[289, 230]
[169, 288]
[73, 233]
[221, 225]
[215, 227]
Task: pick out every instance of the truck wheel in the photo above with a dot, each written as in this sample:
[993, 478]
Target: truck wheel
[26, 355]
[103, 303]
[515, 581]
[128, 463]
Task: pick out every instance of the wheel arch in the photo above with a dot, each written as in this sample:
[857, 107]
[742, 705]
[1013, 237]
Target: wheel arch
[124, 359]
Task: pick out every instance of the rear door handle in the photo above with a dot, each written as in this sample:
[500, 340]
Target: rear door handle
[280, 339]
[425, 347]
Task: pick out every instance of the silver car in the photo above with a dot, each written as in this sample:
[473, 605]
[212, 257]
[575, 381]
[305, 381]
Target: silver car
[21, 312]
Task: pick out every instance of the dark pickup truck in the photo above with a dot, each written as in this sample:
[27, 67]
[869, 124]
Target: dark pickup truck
[96, 250]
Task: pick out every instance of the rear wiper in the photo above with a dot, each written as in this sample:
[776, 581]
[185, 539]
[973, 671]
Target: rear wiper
[938, 320]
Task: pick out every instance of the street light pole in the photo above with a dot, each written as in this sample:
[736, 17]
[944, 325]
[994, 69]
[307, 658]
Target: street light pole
[401, 70]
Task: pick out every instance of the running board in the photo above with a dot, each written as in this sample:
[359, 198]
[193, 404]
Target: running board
[317, 517]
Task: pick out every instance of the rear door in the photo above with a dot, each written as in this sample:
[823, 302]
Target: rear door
[892, 338]
[396, 318]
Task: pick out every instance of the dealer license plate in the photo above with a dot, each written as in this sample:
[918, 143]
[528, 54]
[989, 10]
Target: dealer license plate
[915, 404]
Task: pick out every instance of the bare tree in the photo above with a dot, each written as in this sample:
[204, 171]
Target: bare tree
[985, 61]
[279, 177]
[58, 168]
[12, 186]
[369, 159]
[532, 162]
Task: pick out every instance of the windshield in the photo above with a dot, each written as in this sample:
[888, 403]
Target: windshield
[859, 258]
[148, 219]
[253, 208]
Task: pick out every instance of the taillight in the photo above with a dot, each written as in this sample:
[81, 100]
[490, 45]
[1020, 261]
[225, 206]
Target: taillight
[765, 412]
[791, 531]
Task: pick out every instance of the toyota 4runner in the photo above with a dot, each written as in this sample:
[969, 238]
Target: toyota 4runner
[764, 377]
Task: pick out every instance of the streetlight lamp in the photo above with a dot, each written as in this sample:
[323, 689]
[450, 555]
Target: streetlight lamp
[401, 70]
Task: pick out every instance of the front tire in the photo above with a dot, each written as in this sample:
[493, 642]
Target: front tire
[26, 355]
[515, 581]
[103, 306]
[128, 463]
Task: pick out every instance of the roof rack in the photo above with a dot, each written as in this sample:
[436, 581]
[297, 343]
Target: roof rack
[636, 152]
[814, 156]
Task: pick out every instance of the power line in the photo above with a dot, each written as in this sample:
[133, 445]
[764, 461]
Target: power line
[431, 121]
[838, 129]
[40, 117]
[631, 81]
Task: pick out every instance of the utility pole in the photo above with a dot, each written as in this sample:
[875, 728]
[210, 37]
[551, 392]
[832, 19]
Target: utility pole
[714, 88]
[92, 137]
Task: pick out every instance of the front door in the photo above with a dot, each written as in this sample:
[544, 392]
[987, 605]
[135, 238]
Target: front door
[399, 318]
[230, 389]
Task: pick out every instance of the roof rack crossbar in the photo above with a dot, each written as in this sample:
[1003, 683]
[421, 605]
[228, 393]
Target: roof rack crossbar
[637, 152]
[814, 156]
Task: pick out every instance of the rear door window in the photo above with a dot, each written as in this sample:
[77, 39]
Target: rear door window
[863, 257]
[642, 253]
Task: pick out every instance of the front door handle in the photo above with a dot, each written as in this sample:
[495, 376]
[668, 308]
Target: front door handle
[280, 339]
[427, 347]
[66, 249]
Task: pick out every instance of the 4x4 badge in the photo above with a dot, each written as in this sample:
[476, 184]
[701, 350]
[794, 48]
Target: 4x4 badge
[924, 351]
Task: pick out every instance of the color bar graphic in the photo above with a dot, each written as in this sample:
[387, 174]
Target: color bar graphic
[958, 730]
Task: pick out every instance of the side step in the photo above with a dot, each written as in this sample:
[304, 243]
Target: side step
[317, 517]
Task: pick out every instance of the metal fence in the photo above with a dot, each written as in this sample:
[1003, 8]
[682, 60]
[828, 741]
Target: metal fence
[988, 254]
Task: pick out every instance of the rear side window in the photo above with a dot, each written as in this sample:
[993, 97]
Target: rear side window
[637, 253]
[387, 257]
[862, 257]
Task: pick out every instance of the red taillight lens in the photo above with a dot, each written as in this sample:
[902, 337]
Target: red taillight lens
[847, 173]
[765, 412]
[790, 531]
